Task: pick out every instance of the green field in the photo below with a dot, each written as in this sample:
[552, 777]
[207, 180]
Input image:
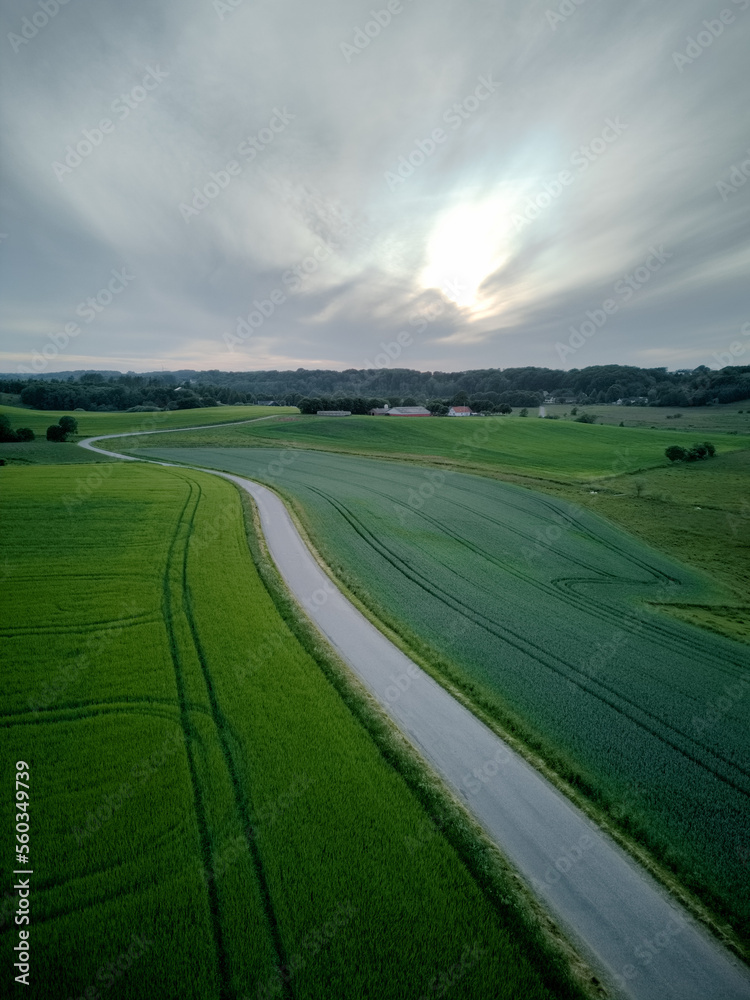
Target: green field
[533, 447]
[727, 417]
[698, 513]
[199, 782]
[535, 609]
[90, 424]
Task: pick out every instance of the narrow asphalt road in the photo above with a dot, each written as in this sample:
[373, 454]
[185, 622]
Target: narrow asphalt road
[640, 942]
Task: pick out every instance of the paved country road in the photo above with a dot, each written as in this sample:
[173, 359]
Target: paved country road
[641, 943]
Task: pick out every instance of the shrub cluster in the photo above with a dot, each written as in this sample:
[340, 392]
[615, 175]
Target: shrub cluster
[62, 429]
[675, 453]
[8, 434]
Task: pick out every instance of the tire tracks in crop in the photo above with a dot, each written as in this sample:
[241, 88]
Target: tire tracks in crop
[226, 738]
[661, 632]
[191, 737]
[529, 648]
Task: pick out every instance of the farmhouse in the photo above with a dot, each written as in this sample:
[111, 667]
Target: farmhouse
[379, 411]
[459, 411]
[408, 411]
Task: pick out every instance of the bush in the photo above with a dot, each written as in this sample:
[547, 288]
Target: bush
[7, 433]
[695, 454]
[586, 418]
[56, 433]
[524, 412]
[69, 424]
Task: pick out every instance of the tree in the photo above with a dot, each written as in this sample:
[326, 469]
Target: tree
[410, 401]
[69, 424]
[503, 408]
[188, 400]
[56, 433]
[6, 432]
[524, 412]
[25, 434]
[437, 407]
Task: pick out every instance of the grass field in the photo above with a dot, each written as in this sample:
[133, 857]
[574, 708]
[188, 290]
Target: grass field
[727, 417]
[698, 513]
[534, 608]
[197, 780]
[533, 447]
[90, 424]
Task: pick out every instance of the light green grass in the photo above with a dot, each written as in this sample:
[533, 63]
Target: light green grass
[197, 778]
[543, 448]
[90, 424]
[535, 609]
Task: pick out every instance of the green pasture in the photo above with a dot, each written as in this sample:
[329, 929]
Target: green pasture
[92, 423]
[541, 448]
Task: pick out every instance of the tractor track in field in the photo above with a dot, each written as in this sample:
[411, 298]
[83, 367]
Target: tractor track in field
[628, 623]
[225, 739]
[190, 737]
[542, 656]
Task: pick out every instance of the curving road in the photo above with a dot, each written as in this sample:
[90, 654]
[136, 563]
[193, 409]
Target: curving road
[641, 943]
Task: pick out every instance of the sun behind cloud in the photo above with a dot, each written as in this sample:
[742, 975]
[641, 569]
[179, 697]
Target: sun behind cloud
[469, 242]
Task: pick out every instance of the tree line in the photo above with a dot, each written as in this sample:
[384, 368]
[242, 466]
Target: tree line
[483, 389]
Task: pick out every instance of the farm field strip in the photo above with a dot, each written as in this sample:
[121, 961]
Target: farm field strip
[274, 831]
[583, 452]
[678, 778]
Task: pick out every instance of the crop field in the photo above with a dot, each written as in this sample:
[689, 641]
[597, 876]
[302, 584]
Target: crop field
[205, 810]
[533, 447]
[539, 611]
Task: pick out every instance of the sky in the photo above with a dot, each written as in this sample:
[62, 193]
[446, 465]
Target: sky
[275, 184]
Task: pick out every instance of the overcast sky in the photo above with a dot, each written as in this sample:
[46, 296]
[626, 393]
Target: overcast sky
[442, 185]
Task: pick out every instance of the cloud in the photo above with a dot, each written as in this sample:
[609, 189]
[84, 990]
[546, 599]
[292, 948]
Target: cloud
[508, 163]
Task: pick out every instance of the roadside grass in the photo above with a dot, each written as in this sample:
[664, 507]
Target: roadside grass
[568, 451]
[540, 614]
[199, 779]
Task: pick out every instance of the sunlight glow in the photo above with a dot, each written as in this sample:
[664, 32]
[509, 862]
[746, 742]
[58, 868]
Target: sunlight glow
[469, 243]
